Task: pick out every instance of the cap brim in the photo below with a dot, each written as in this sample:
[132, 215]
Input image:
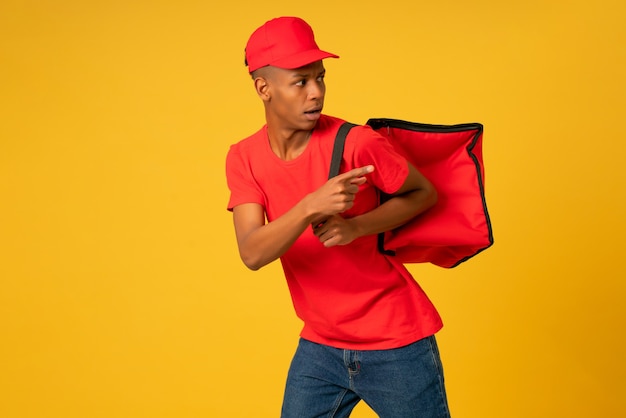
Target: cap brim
[301, 59]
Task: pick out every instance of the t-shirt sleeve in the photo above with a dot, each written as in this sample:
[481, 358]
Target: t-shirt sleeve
[390, 168]
[240, 180]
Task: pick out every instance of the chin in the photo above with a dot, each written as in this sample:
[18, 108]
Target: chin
[306, 126]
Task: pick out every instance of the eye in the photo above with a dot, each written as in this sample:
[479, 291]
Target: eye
[301, 83]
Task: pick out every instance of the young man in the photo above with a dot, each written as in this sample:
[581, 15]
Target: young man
[368, 326]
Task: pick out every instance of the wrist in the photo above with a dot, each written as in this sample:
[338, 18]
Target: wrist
[356, 226]
[308, 212]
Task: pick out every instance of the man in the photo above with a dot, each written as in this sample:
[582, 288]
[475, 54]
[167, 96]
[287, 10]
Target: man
[368, 326]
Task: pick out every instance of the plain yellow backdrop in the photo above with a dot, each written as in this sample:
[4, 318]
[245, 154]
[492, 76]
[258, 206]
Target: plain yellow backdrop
[121, 292]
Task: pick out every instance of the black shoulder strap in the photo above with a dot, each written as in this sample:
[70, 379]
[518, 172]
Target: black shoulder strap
[335, 163]
[340, 141]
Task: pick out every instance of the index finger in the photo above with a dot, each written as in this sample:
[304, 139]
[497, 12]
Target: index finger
[357, 172]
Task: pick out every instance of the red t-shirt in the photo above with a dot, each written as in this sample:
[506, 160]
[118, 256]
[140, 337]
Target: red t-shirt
[348, 296]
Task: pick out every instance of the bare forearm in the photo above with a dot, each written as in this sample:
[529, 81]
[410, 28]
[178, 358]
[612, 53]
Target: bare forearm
[394, 213]
[270, 241]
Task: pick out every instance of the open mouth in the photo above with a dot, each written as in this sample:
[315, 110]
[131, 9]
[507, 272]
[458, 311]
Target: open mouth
[313, 115]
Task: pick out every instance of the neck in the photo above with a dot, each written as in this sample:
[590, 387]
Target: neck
[288, 144]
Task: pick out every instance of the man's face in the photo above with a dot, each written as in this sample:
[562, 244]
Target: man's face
[296, 97]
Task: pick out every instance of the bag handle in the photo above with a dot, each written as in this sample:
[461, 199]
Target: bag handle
[340, 142]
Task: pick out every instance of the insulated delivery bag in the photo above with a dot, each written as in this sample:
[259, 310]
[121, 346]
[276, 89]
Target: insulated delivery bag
[450, 156]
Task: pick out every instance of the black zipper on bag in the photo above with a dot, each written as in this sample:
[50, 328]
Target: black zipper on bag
[377, 123]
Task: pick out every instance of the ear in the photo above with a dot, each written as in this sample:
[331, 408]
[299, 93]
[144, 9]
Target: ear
[262, 87]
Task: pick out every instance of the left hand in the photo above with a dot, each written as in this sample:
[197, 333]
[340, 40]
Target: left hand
[335, 231]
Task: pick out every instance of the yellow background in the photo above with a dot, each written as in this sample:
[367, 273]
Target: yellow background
[122, 294]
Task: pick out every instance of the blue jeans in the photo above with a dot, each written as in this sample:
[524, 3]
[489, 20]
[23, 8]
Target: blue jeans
[327, 382]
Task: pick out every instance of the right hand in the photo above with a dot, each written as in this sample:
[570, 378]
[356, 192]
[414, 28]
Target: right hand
[337, 194]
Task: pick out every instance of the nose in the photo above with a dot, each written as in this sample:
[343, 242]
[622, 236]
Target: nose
[316, 90]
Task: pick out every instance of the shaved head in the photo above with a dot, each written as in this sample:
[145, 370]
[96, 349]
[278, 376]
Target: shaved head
[266, 72]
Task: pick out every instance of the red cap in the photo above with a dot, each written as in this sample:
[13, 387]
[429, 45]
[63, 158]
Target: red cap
[284, 42]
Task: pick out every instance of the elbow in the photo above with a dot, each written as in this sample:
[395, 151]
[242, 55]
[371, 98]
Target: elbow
[252, 254]
[253, 267]
[252, 262]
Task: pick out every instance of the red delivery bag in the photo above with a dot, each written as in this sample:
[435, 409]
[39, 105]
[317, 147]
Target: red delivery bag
[450, 156]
